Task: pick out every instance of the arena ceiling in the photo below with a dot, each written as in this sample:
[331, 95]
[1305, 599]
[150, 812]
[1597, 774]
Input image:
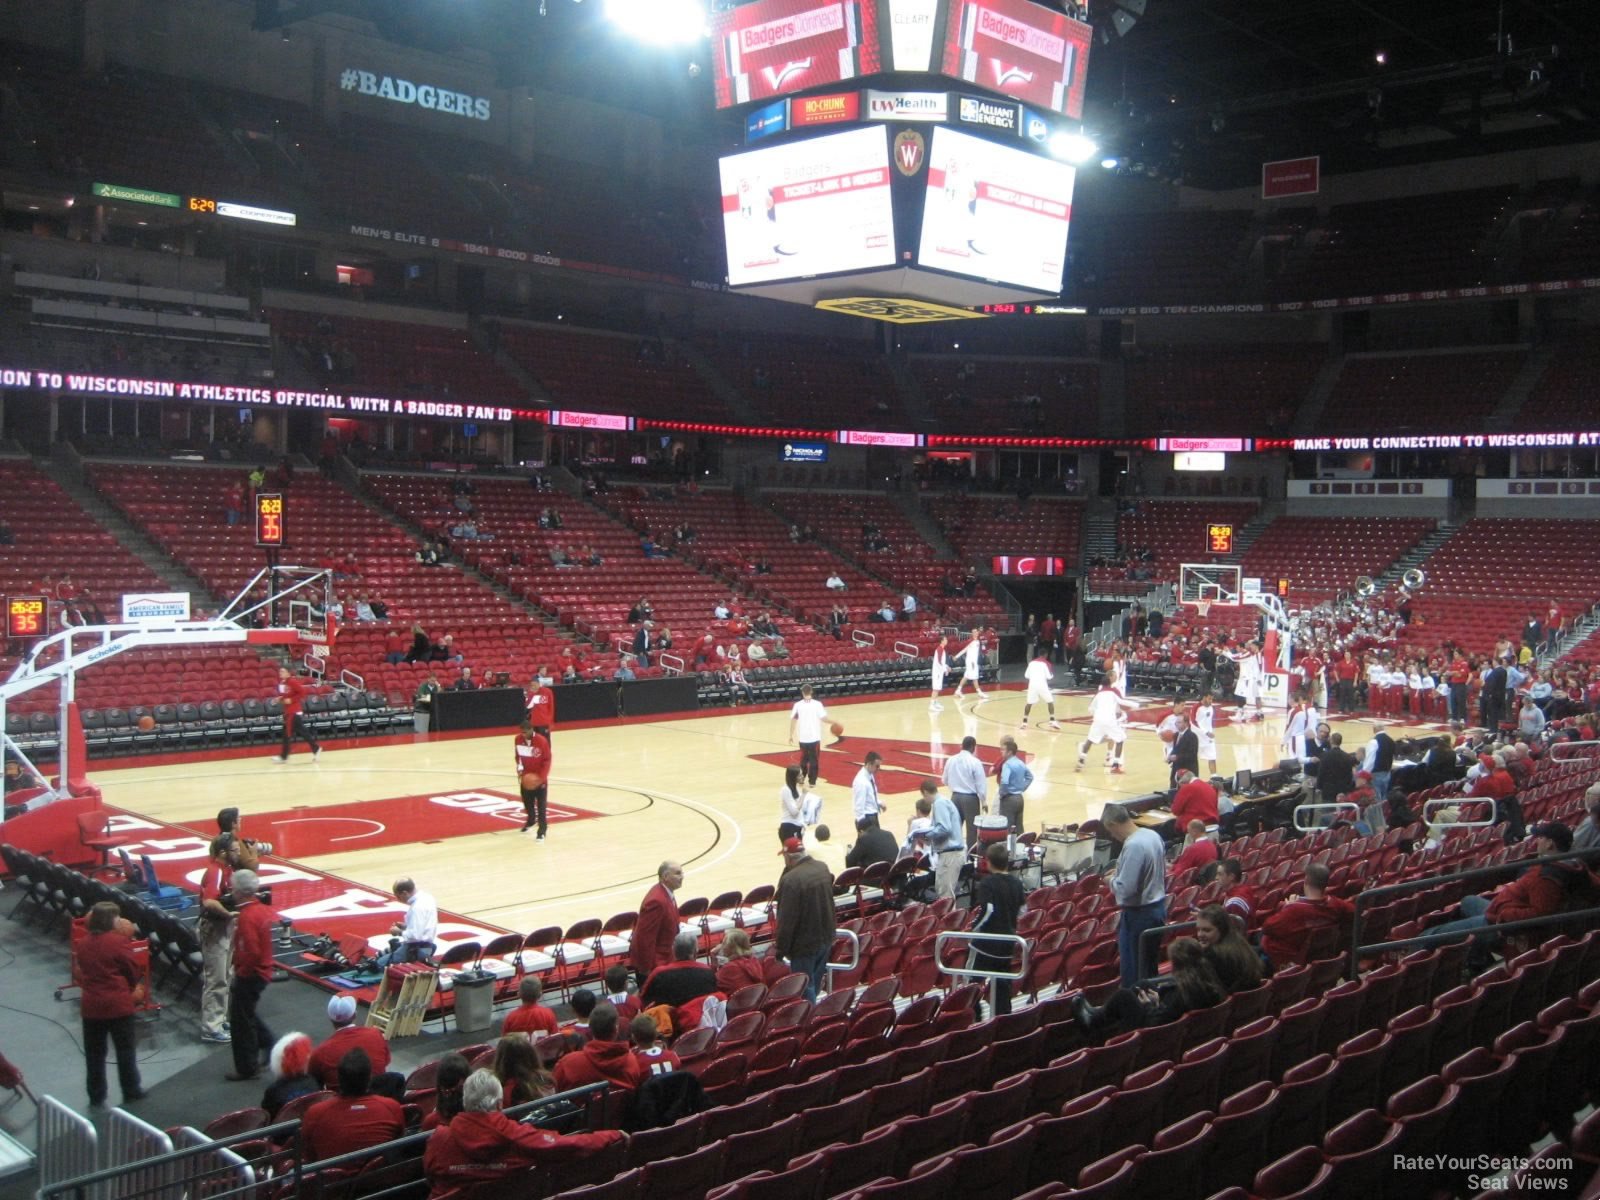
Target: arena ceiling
[1201, 91]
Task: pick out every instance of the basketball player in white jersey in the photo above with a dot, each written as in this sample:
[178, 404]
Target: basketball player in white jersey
[1298, 726]
[1117, 671]
[941, 668]
[1038, 676]
[1252, 679]
[971, 660]
[1204, 722]
[1107, 723]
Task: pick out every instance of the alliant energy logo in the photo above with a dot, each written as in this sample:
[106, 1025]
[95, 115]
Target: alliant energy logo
[777, 76]
[1038, 42]
[974, 111]
[816, 23]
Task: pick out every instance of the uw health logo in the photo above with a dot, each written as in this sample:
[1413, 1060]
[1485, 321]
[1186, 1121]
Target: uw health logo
[905, 764]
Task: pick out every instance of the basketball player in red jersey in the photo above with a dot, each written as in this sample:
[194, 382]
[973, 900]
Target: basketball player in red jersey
[293, 693]
[541, 703]
[533, 766]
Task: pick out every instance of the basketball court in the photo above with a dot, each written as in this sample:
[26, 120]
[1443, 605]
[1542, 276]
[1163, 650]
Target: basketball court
[624, 796]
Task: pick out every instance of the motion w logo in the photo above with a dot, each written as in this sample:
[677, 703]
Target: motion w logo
[909, 151]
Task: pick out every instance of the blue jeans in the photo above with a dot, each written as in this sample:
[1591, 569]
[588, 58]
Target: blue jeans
[1135, 921]
[405, 952]
[1380, 784]
[812, 967]
[1474, 915]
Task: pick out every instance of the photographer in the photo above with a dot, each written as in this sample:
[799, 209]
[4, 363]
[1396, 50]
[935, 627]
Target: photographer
[215, 931]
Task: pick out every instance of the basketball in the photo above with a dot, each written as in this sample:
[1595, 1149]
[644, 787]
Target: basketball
[531, 782]
[837, 728]
[1169, 735]
[147, 723]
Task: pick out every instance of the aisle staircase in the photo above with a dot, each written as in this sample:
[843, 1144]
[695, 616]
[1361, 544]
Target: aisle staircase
[1413, 558]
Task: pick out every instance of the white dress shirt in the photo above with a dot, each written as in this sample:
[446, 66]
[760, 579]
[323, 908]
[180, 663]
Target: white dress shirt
[963, 772]
[422, 918]
[864, 795]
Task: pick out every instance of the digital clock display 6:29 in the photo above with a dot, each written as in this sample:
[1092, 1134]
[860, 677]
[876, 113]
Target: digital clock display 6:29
[201, 204]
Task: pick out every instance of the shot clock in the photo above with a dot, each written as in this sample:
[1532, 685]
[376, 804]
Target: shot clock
[27, 616]
[202, 204]
[1219, 539]
[269, 519]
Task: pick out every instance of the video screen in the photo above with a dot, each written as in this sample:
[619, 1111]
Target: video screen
[808, 208]
[775, 47]
[1020, 49]
[997, 213]
[1028, 564]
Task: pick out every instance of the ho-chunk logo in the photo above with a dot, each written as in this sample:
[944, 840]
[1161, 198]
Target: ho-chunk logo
[403, 91]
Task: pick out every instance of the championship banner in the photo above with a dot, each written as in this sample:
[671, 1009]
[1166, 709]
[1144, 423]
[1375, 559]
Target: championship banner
[774, 47]
[1291, 177]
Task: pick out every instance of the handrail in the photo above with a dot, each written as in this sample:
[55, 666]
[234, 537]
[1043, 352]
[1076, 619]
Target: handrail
[1555, 746]
[994, 977]
[863, 637]
[1333, 804]
[907, 649]
[855, 954]
[1145, 960]
[1437, 939]
[352, 680]
[1372, 896]
[671, 664]
[86, 1187]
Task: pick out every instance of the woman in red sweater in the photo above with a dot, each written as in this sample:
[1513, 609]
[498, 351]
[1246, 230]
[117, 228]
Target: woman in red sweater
[113, 986]
[741, 967]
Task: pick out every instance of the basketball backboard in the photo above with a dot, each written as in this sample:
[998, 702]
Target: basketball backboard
[1208, 584]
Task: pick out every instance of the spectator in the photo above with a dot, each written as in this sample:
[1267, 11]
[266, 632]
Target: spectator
[1198, 850]
[482, 1144]
[1238, 897]
[1540, 891]
[873, 844]
[805, 913]
[347, 1036]
[290, 1064]
[1195, 800]
[1286, 935]
[516, 1066]
[624, 672]
[530, 1017]
[619, 995]
[1192, 985]
[741, 967]
[353, 1120]
[1587, 834]
[452, 1073]
[657, 1059]
[1235, 960]
[1139, 884]
[1531, 719]
[680, 981]
[603, 1059]
[834, 583]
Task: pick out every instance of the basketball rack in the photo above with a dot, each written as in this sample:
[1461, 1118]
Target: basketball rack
[301, 591]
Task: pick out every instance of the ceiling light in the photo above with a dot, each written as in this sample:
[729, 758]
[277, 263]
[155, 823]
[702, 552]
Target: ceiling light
[1074, 148]
[660, 22]
[1111, 162]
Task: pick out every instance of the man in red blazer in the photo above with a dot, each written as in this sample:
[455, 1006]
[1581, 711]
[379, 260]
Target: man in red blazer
[658, 922]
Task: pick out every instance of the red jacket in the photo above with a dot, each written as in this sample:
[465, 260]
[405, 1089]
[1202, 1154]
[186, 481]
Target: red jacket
[479, 1146]
[293, 694]
[325, 1058]
[1195, 801]
[346, 1123]
[108, 972]
[1286, 934]
[1241, 899]
[542, 708]
[653, 932]
[747, 969]
[658, 1060]
[600, 1062]
[533, 757]
[252, 941]
[1198, 855]
[1540, 891]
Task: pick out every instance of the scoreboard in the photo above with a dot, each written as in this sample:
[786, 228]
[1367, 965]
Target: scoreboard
[269, 519]
[1219, 539]
[27, 616]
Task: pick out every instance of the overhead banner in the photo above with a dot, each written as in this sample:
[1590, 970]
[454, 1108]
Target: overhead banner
[1291, 177]
[908, 106]
[805, 452]
[403, 91]
[133, 195]
[766, 121]
[998, 115]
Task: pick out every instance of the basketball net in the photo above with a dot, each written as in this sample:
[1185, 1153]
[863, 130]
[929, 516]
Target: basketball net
[1203, 607]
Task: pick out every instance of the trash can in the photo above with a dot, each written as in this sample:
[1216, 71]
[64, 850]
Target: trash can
[423, 718]
[474, 991]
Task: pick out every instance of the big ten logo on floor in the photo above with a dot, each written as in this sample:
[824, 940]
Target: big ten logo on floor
[905, 764]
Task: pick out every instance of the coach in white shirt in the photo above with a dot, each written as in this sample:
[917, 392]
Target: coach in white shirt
[864, 791]
[419, 932]
[969, 788]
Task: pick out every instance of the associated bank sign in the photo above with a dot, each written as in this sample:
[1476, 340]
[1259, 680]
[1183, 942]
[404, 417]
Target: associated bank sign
[423, 95]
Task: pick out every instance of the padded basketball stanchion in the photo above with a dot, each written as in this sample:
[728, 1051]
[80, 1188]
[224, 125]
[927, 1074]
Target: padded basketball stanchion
[77, 784]
[1269, 649]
